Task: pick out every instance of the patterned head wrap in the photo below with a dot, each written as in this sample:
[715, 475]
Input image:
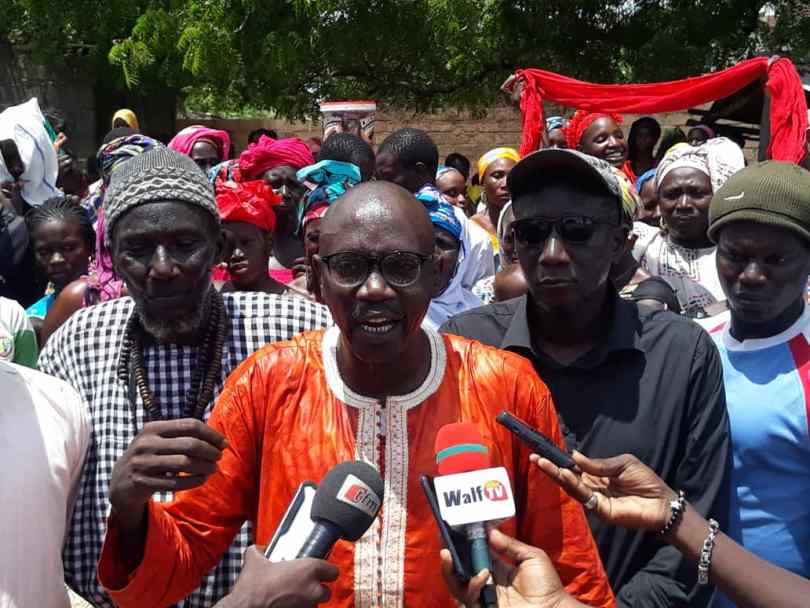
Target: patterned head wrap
[158, 175]
[443, 216]
[555, 122]
[580, 122]
[719, 158]
[269, 153]
[490, 157]
[331, 178]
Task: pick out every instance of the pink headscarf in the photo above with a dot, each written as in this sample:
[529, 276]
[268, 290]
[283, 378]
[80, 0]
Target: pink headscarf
[269, 153]
[184, 141]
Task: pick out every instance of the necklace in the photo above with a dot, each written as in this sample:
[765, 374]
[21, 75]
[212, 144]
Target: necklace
[206, 371]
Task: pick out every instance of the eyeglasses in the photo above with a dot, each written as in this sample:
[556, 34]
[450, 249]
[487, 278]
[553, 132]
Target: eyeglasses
[398, 268]
[534, 231]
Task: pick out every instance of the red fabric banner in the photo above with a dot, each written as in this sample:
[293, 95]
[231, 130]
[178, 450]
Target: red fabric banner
[788, 105]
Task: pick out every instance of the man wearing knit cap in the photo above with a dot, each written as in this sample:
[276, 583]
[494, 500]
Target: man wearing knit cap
[148, 367]
[760, 221]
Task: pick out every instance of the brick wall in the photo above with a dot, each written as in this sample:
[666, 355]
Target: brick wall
[452, 130]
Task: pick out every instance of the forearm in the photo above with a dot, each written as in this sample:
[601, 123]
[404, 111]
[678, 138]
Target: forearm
[132, 529]
[749, 581]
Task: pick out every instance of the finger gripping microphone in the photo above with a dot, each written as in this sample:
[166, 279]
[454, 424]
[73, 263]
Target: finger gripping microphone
[345, 505]
[470, 493]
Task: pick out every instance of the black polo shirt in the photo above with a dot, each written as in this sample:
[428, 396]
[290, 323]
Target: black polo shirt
[652, 388]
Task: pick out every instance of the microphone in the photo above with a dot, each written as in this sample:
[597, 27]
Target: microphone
[471, 493]
[344, 507]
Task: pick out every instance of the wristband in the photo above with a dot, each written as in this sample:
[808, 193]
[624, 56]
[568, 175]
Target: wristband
[706, 553]
[678, 507]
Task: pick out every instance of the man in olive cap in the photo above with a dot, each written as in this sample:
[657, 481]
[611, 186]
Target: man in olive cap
[760, 221]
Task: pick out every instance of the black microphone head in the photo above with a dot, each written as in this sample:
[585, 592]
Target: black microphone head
[350, 497]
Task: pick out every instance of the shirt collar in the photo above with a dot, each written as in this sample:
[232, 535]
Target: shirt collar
[624, 333]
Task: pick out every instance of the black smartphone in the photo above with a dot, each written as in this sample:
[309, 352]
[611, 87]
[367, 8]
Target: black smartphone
[294, 527]
[539, 443]
[455, 542]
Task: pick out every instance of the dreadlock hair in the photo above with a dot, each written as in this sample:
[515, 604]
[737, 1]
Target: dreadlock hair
[412, 146]
[61, 208]
[349, 148]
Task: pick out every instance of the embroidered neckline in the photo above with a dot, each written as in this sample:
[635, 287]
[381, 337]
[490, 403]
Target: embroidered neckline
[438, 361]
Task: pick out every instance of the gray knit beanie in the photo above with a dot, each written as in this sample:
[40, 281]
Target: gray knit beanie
[772, 192]
[161, 174]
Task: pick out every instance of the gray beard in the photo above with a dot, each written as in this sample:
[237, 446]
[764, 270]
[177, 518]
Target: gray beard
[168, 332]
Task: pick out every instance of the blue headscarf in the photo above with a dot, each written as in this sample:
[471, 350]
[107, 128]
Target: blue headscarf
[555, 122]
[331, 178]
[643, 178]
[443, 216]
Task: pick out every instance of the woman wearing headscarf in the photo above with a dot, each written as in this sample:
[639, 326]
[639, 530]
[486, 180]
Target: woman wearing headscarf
[509, 281]
[125, 118]
[451, 183]
[248, 219]
[277, 161]
[555, 132]
[493, 169]
[648, 211]
[101, 283]
[600, 134]
[700, 134]
[644, 134]
[453, 298]
[206, 147]
[680, 251]
[328, 180]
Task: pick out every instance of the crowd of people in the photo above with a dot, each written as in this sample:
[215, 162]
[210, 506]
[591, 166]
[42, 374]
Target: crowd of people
[190, 335]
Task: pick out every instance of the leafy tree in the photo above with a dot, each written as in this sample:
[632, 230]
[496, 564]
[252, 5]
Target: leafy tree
[284, 55]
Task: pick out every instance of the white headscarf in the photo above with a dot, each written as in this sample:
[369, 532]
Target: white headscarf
[25, 124]
[719, 158]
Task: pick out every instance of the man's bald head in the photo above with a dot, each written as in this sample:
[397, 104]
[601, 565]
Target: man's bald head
[371, 208]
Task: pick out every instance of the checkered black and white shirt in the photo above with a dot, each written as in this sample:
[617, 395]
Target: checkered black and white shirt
[85, 351]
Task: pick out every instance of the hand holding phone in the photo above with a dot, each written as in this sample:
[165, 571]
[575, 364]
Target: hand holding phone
[539, 443]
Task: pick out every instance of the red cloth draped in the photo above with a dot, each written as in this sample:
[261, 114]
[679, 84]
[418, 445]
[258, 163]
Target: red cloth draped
[788, 105]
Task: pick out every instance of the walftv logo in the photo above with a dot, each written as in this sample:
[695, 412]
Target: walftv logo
[492, 490]
[357, 494]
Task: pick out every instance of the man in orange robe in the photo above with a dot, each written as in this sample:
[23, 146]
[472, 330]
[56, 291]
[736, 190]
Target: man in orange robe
[376, 387]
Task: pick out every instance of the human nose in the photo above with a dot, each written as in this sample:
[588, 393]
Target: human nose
[752, 274]
[375, 287]
[161, 265]
[554, 251]
[57, 258]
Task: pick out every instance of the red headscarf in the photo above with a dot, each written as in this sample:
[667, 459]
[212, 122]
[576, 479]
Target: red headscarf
[250, 202]
[581, 120]
[269, 153]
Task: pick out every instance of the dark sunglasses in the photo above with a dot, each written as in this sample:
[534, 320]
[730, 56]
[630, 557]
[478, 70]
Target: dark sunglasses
[534, 231]
[398, 268]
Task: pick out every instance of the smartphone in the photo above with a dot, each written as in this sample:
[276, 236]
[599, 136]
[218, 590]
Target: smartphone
[295, 526]
[539, 443]
[455, 542]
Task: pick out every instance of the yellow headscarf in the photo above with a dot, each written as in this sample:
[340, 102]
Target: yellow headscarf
[128, 116]
[490, 157]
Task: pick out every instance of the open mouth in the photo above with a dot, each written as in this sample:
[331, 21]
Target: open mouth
[378, 327]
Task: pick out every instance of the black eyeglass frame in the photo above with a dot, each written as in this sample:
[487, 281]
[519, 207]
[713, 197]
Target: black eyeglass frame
[374, 261]
[555, 227]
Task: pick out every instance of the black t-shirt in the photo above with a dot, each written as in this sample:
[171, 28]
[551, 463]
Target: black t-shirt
[653, 388]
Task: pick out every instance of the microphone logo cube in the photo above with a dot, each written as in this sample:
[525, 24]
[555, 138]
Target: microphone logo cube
[475, 496]
[358, 495]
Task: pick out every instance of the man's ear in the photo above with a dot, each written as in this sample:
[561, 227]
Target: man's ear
[317, 272]
[268, 243]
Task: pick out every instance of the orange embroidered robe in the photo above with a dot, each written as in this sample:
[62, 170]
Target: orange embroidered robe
[288, 417]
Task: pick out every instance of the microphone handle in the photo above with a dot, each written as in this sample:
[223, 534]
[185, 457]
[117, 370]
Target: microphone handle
[320, 541]
[480, 560]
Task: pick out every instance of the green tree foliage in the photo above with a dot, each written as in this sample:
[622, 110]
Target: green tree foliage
[284, 55]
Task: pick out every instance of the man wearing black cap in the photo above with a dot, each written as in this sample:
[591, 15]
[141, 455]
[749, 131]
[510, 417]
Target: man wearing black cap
[624, 378]
[760, 221]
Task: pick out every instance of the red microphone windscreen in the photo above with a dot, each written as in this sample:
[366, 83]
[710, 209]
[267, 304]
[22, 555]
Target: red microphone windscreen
[460, 448]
